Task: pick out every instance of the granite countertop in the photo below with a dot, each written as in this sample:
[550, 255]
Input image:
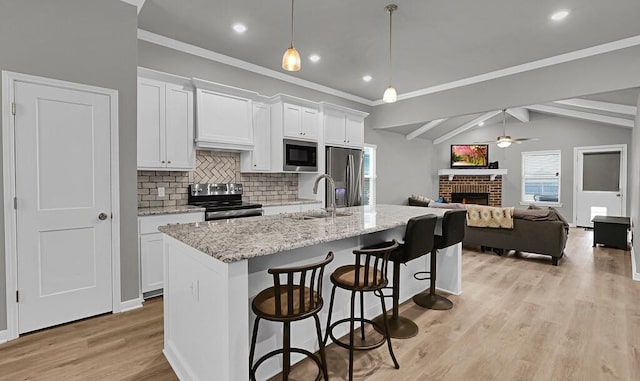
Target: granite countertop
[237, 239]
[169, 210]
[298, 201]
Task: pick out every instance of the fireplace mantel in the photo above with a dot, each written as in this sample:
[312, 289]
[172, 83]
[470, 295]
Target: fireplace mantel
[472, 172]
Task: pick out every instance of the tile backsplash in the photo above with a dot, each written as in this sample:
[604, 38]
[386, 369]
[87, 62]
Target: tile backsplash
[214, 167]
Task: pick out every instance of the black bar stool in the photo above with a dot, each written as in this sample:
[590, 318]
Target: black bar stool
[369, 274]
[297, 299]
[453, 224]
[418, 241]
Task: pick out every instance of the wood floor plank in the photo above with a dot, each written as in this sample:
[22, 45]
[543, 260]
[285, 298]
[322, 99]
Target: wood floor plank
[519, 318]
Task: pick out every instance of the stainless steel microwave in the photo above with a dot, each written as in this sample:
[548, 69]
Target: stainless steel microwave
[300, 156]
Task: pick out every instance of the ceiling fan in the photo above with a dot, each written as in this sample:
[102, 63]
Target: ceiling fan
[505, 140]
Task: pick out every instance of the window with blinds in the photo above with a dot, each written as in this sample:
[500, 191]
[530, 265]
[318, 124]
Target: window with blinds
[541, 177]
[369, 188]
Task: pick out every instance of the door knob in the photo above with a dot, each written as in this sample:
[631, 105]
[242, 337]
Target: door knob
[102, 216]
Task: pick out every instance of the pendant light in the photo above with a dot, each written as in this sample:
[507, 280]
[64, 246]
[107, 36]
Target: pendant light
[390, 94]
[291, 58]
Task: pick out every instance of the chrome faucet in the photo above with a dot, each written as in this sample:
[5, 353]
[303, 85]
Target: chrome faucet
[333, 191]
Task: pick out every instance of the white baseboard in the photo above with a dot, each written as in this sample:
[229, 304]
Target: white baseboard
[4, 336]
[132, 304]
[635, 274]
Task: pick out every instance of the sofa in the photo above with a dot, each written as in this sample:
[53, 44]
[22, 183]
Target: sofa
[535, 230]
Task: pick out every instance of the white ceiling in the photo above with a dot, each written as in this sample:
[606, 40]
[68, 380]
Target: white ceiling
[435, 42]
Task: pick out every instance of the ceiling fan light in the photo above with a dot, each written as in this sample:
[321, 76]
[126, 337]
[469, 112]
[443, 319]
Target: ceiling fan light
[291, 59]
[390, 95]
[504, 142]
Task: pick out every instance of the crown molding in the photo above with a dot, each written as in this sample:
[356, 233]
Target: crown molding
[529, 66]
[244, 65]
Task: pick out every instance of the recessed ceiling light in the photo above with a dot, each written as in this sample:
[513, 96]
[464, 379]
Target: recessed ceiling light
[481, 124]
[367, 78]
[240, 28]
[560, 15]
[314, 58]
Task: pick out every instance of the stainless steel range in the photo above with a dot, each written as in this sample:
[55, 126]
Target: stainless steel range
[222, 201]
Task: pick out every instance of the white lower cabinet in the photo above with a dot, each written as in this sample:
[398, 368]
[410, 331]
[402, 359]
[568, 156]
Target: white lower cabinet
[150, 247]
[295, 208]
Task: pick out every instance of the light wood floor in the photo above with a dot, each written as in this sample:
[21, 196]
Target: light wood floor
[519, 319]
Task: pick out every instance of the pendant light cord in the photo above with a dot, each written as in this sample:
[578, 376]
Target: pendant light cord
[292, 23]
[390, 46]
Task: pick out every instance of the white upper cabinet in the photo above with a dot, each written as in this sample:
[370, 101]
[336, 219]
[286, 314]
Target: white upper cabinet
[165, 126]
[354, 131]
[299, 122]
[224, 121]
[259, 159]
[224, 118]
[179, 128]
[343, 127]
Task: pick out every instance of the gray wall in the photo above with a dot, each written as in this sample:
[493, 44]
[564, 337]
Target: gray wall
[555, 133]
[171, 61]
[634, 186]
[403, 167]
[92, 42]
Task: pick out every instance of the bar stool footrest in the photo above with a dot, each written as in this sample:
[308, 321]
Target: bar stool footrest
[357, 347]
[305, 352]
[422, 275]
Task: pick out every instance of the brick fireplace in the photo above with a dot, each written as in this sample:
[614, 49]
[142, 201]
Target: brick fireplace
[472, 188]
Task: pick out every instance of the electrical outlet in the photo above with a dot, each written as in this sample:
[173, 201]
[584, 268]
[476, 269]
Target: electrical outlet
[160, 191]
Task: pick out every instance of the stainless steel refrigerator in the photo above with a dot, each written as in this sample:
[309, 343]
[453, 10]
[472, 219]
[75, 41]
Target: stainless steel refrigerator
[346, 167]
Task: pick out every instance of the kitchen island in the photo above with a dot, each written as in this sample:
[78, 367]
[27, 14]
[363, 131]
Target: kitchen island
[214, 269]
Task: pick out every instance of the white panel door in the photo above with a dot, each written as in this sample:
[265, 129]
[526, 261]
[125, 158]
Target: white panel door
[151, 124]
[63, 161]
[334, 124]
[354, 131]
[261, 155]
[151, 262]
[179, 128]
[292, 117]
[309, 123]
[600, 183]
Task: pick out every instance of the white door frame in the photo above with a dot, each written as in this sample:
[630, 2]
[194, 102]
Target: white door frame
[9, 175]
[576, 174]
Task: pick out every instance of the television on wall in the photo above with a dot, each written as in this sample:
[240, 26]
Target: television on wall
[469, 155]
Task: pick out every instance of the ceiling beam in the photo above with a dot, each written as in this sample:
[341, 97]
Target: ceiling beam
[466, 126]
[425, 128]
[598, 105]
[583, 115]
[520, 113]
[137, 3]
[529, 66]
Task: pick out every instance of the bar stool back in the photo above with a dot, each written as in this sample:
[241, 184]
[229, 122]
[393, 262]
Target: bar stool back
[418, 241]
[299, 297]
[368, 274]
[453, 224]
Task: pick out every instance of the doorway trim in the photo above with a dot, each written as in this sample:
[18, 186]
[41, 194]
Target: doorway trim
[9, 175]
[576, 174]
